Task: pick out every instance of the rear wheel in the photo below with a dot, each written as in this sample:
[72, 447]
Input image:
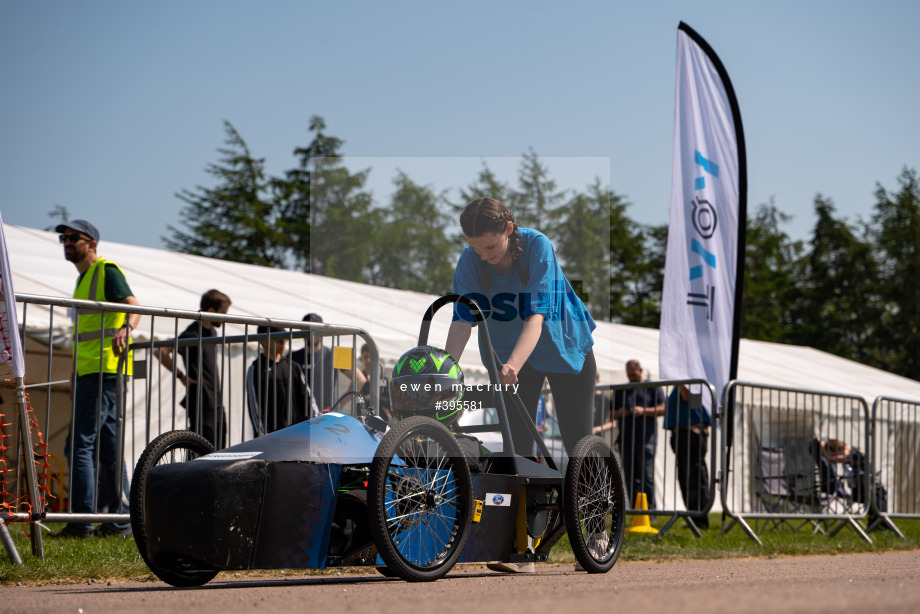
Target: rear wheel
[171, 447]
[420, 500]
[594, 505]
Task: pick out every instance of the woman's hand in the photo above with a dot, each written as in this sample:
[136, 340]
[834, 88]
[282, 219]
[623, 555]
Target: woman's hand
[525, 344]
[508, 375]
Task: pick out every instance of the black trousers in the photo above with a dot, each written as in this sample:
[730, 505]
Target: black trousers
[573, 395]
[690, 452]
[213, 425]
[638, 441]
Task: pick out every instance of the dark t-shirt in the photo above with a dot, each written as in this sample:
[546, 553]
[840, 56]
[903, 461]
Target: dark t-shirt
[270, 384]
[317, 368]
[208, 382]
[644, 397]
[116, 286]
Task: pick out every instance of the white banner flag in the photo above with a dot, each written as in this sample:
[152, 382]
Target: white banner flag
[701, 299]
[11, 359]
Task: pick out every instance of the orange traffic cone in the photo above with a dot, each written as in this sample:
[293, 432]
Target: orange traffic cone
[640, 522]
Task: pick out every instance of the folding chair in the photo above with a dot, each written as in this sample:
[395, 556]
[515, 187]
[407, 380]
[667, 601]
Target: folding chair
[786, 480]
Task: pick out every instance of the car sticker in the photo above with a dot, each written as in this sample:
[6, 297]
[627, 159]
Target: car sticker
[223, 456]
[498, 499]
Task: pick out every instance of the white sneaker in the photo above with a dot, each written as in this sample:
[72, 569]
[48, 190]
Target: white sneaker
[528, 567]
[597, 545]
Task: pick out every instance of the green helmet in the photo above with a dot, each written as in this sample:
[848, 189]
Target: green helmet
[427, 381]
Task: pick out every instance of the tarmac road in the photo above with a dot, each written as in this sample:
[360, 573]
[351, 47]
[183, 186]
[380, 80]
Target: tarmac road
[888, 582]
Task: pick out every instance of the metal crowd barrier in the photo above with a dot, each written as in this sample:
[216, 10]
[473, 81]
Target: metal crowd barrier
[788, 458]
[149, 402]
[654, 469]
[785, 456]
[894, 471]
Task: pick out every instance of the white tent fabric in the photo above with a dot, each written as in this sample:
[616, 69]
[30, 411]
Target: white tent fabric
[160, 278]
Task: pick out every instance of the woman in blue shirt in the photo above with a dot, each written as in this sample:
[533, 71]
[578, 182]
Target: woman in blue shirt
[539, 327]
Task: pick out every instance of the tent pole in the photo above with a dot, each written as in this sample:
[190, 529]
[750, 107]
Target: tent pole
[28, 455]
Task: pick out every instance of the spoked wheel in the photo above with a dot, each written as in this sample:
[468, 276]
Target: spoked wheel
[594, 505]
[171, 447]
[420, 500]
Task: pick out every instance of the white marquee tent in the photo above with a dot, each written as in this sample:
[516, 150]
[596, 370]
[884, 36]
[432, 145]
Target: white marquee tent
[160, 278]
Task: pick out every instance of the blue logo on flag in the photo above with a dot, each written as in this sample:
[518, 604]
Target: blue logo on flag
[498, 499]
[704, 221]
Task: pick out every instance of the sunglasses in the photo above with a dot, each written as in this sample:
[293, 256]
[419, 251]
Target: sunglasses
[71, 238]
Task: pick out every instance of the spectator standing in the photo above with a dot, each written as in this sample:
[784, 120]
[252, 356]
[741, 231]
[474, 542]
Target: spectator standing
[636, 413]
[316, 361]
[364, 359]
[689, 426]
[318, 365]
[207, 418]
[100, 339]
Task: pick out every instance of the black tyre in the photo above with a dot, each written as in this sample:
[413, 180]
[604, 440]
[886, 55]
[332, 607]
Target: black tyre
[385, 571]
[594, 505]
[420, 500]
[171, 447]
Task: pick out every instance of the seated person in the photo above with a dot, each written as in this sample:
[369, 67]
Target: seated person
[831, 452]
[276, 388]
[828, 453]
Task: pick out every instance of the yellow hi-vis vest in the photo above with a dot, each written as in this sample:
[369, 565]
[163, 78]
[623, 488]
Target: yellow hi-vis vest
[93, 330]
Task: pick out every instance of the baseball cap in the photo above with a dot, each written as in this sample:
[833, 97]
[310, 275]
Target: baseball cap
[80, 226]
[313, 317]
[269, 329]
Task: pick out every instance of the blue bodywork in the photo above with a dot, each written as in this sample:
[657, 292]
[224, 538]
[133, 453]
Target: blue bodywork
[330, 438]
[296, 498]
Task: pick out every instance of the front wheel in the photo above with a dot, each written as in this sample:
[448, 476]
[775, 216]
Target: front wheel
[420, 500]
[171, 447]
[594, 505]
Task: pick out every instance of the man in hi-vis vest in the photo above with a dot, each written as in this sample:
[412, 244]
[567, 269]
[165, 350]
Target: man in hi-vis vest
[100, 339]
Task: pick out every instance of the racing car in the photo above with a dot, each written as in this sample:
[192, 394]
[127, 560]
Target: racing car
[342, 491]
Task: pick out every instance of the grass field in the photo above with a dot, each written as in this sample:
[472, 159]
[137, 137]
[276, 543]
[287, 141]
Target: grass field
[108, 559]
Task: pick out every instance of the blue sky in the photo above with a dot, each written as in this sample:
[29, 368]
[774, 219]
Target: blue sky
[110, 108]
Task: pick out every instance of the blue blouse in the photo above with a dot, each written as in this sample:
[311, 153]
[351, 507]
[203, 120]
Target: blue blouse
[539, 287]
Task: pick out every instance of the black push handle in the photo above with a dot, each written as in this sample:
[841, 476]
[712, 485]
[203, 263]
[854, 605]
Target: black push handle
[492, 362]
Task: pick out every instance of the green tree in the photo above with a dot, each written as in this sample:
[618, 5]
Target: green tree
[321, 194]
[59, 215]
[293, 193]
[639, 258]
[536, 197]
[583, 247]
[895, 232]
[636, 266]
[485, 185]
[412, 251]
[837, 310]
[770, 272]
[342, 227]
[235, 220]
